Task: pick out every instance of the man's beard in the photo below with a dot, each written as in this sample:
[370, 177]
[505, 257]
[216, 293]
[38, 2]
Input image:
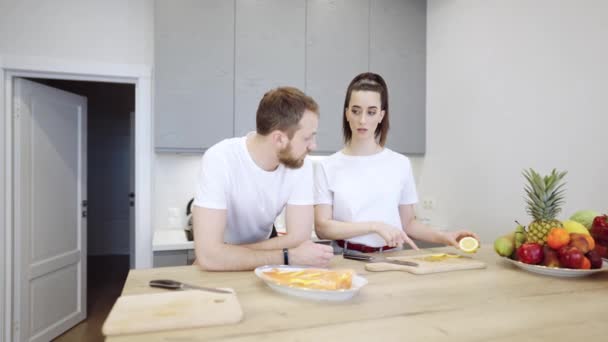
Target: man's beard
[288, 160]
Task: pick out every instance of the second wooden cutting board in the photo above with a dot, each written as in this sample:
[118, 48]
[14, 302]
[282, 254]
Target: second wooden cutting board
[427, 264]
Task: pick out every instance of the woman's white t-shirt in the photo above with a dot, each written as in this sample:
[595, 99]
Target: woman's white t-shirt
[253, 198]
[366, 188]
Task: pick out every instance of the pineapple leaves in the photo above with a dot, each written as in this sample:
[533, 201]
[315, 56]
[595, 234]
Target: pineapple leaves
[544, 194]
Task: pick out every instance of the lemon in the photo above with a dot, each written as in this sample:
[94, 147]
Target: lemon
[468, 244]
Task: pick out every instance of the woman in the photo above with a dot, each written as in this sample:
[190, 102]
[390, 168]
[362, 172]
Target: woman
[365, 193]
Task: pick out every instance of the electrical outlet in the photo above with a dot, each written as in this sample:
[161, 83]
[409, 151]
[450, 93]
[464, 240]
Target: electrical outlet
[173, 213]
[424, 220]
[428, 203]
[173, 218]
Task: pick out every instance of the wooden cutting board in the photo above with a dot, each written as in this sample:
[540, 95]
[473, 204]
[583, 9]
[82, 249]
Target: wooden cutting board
[171, 310]
[426, 266]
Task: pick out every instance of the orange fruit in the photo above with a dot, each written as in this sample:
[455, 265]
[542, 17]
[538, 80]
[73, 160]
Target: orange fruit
[590, 241]
[586, 264]
[557, 238]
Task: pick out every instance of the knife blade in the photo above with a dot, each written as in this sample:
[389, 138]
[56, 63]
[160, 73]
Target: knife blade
[369, 258]
[178, 285]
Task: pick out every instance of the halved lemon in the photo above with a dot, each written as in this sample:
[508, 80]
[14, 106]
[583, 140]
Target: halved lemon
[468, 244]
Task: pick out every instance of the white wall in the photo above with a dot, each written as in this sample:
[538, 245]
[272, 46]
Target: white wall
[514, 84]
[174, 186]
[112, 31]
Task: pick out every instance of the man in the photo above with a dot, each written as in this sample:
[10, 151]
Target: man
[246, 182]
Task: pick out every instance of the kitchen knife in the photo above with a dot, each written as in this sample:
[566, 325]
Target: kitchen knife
[176, 285]
[368, 258]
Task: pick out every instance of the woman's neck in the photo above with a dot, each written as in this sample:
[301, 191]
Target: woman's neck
[362, 147]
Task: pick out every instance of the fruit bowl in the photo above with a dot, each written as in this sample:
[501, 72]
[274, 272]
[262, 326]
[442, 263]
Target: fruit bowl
[558, 272]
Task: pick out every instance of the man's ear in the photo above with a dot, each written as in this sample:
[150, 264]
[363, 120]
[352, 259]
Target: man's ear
[279, 139]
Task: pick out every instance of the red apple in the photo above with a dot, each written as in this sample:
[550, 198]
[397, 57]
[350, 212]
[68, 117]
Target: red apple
[530, 253]
[595, 258]
[599, 229]
[601, 250]
[550, 258]
[570, 257]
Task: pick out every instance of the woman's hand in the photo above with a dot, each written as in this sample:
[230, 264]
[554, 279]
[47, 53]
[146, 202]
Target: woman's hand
[393, 236]
[452, 238]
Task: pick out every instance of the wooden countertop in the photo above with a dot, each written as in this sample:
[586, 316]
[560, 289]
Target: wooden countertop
[500, 303]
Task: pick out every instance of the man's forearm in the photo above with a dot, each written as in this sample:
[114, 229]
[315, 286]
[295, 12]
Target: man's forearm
[277, 243]
[237, 258]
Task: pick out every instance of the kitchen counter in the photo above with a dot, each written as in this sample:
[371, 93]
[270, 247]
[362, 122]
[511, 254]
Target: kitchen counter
[171, 240]
[500, 303]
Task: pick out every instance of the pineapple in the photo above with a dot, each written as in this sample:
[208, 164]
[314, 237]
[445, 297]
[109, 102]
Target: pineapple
[545, 195]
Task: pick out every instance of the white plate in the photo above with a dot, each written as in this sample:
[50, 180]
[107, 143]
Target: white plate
[558, 272]
[330, 295]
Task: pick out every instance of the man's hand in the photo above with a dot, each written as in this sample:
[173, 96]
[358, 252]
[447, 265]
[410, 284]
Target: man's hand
[309, 253]
[393, 236]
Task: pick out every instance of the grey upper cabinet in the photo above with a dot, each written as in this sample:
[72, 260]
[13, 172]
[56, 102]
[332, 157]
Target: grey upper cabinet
[215, 59]
[194, 73]
[337, 49]
[270, 52]
[398, 53]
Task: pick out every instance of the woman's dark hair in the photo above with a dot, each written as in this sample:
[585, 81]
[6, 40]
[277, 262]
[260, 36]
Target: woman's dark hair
[368, 81]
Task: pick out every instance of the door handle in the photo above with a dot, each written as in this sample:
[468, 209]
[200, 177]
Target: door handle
[84, 208]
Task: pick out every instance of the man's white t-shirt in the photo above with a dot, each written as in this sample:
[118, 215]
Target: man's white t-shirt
[366, 188]
[253, 198]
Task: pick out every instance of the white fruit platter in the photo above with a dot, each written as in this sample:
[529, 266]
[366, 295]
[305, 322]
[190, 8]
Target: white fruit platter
[558, 272]
[325, 295]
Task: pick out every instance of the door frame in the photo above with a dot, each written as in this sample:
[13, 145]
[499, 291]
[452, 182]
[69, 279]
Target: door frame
[40, 67]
